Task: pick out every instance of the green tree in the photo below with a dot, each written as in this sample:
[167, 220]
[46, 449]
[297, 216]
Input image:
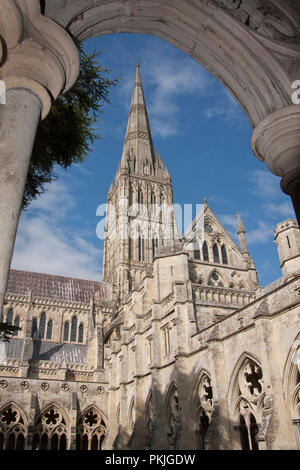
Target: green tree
[7, 331]
[67, 133]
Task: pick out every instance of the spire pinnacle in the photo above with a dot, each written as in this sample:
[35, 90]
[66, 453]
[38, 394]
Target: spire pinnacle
[242, 234]
[240, 226]
[138, 144]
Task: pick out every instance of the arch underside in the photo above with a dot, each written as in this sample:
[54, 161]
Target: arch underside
[256, 64]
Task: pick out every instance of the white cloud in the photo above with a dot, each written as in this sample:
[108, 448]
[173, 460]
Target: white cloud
[284, 209]
[266, 184]
[168, 78]
[228, 219]
[44, 244]
[226, 109]
[262, 234]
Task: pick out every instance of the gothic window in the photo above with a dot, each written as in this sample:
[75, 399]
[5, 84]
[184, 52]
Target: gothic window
[205, 252]
[208, 228]
[17, 324]
[149, 421]
[140, 198]
[215, 280]
[50, 430]
[154, 246]
[74, 329]
[80, 333]
[34, 329]
[248, 403]
[216, 254]
[141, 243]
[91, 430]
[66, 331]
[42, 326]
[49, 330]
[224, 255]
[196, 250]
[9, 316]
[292, 386]
[248, 429]
[134, 165]
[130, 196]
[205, 396]
[12, 428]
[173, 417]
[130, 248]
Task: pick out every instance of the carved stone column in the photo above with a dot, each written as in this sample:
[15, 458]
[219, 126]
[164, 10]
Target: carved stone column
[40, 61]
[276, 141]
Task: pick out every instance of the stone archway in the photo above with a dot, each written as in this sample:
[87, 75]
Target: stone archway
[251, 46]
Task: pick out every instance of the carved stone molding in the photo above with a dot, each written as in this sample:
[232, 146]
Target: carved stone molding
[39, 54]
[276, 140]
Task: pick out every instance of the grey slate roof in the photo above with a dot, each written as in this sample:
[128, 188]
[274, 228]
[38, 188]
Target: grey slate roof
[48, 351]
[57, 287]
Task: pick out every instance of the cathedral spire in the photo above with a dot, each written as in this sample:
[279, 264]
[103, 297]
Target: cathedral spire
[138, 149]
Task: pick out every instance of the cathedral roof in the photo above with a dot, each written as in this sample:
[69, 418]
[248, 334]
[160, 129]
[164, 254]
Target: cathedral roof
[57, 287]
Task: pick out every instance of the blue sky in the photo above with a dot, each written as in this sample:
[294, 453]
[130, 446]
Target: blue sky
[204, 139]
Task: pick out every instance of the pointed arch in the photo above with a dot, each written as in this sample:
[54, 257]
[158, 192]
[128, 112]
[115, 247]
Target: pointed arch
[34, 329]
[205, 252]
[291, 385]
[73, 337]
[131, 415]
[49, 330]
[149, 419]
[172, 415]
[66, 331]
[215, 279]
[216, 253]
[17, 324]
[196, 248]
[9, 316]
[224, 254]
[80, 333]
[91, 429]
[246, 399]
[201, 406]
[13, 427]
[42, 325]
[51, 429]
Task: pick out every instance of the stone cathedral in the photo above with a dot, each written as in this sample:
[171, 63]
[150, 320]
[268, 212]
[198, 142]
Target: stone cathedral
[179, 347]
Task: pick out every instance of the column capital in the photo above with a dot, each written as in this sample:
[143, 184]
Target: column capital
[38, 54]
[276, 140]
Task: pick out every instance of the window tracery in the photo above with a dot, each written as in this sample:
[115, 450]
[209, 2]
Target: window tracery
[12, 428]
[205, 396]
[215, 280]
[91, 430]
[251, 405]
[173, 418]
[50, 430]
[292, 386]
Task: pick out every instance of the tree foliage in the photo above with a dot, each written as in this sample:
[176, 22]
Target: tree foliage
[7, 331]
[67, 133]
